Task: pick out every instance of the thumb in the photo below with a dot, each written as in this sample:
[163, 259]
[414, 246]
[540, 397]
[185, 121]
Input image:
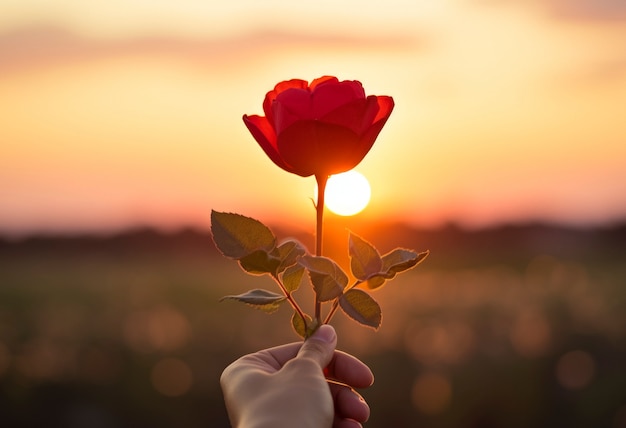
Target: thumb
[320, 346]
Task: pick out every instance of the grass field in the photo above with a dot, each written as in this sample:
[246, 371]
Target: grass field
[128, 332]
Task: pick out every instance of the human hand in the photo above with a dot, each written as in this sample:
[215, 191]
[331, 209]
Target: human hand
[287, 386]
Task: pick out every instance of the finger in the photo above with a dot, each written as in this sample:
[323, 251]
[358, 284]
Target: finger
[276, 357]
[320, 347]
[267, 361]
[349, 404]
[350, 370]
[345, 423]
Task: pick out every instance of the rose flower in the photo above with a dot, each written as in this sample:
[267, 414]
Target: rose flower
[322, 128]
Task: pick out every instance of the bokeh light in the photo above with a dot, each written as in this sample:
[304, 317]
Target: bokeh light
[158, 329]
[171, 377]
[575, 369]
[432, 393]
[126, 322]
[531, 334]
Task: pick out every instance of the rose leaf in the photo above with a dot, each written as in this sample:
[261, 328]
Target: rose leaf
[264, 300]
[360, 306]
[237, 236]
[327, 277]
[365, 260]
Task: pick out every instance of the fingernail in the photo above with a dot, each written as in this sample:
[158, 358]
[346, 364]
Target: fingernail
[325, 333]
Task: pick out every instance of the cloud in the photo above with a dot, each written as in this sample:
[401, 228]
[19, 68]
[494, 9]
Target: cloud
[40, 46]
[577, 10]
[588, 10]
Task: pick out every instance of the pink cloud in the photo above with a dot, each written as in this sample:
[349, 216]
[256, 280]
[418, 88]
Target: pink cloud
[579, 10]
[589, 10]
[38, 46]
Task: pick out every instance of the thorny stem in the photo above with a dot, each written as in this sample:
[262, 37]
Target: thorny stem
[319, 208]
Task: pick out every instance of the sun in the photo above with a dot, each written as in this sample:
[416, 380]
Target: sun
[347, 193]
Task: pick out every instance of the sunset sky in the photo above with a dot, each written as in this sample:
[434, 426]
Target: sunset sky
[115, 114]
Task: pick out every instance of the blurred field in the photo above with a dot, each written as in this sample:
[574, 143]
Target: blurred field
[511, 327]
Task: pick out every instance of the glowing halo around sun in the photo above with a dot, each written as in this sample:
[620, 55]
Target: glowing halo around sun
[347, 193]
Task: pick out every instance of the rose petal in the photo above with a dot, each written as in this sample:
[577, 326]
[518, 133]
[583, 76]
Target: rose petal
[312, 147]
[279, 88]
[322, 80]
[290, 106]
[385, 104]
[357, 88]
[263, 133]
[290, 84]
[329, 97]
[369, 137]
[357, 115]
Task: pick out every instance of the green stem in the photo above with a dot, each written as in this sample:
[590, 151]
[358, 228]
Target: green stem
[332, 311]
[319, 208]
[291, 300]
[335, 306]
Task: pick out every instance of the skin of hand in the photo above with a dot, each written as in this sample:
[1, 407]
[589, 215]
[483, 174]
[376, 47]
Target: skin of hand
[287, 386]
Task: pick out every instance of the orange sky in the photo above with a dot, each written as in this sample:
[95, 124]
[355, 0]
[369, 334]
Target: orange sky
[113, 115]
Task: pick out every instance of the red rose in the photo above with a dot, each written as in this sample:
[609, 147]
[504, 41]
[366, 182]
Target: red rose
[320, 129]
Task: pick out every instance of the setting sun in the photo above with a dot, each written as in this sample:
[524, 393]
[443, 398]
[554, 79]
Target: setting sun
[347, 193]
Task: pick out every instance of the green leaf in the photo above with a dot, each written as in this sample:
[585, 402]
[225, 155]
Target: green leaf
[281, 257]
[326, 276]
[259, 262]
[260, 299]
[288, 253]
[292, 278]
[365, 260]
[237, 236]
[360, 306]
[302, 328]
[394, 262]
[401, 259]
[375, 282]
